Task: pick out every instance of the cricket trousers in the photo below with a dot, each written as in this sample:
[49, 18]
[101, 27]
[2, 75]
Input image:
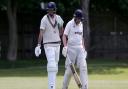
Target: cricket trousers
[77, 56]
[52, 55]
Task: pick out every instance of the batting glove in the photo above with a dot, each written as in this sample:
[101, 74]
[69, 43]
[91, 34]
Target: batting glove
[38, 50]
[64, 51]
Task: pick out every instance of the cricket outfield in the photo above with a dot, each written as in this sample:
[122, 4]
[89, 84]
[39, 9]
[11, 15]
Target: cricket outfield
[105, 75]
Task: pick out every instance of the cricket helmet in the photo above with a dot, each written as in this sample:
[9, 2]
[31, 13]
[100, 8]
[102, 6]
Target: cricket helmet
[51, 6]
[78, 14]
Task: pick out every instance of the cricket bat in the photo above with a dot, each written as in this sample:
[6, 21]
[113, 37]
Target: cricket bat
[75, 74]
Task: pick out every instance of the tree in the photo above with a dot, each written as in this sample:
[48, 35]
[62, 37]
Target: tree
[85, 7]
[11, 13]
[12, 7]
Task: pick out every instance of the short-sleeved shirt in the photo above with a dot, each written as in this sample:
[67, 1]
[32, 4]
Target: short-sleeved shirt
[74, 33]
[51, 33]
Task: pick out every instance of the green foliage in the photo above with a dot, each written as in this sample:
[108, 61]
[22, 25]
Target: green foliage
[22, 5]
[123, 4]
[3, 4]
[119, 6]
[61, 8]
[28, 5]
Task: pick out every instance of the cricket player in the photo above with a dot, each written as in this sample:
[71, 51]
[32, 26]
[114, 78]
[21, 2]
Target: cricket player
[75, 50]
[50, 28]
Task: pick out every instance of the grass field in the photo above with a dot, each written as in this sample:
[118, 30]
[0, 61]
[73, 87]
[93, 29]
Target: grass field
[108, 74]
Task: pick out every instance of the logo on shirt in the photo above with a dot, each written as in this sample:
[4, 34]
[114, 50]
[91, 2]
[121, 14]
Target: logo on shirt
[79, 33]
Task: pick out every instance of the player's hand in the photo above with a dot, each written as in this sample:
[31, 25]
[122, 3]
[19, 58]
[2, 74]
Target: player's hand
[64, 51]
[38, 50]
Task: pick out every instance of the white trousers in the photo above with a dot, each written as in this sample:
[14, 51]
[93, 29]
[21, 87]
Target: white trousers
[77, 56]
[52, 55]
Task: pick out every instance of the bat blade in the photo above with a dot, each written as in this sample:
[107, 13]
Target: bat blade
[75, 75]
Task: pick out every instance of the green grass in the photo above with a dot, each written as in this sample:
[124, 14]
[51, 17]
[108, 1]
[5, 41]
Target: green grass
[103, 74]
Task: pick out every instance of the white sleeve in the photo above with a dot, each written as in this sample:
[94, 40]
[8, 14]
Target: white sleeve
[60, 21]
[67, 28]
[43, 24]
[82, 30]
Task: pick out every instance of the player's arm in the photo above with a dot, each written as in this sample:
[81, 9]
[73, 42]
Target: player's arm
[64, 50]
[60, 25]
[64, 38]
[40, 36]
[38, 47]
[61, 31]
[83, 43]
[42, 29]
[65, 34]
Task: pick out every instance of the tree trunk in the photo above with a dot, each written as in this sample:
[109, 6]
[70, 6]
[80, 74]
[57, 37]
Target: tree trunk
[11, 13]
[85, 8]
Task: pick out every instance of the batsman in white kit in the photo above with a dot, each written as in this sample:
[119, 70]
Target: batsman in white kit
[74, 49]
[50, 28]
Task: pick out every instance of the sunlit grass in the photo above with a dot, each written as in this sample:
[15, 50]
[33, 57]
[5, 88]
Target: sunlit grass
[41, 83]
[102, 75]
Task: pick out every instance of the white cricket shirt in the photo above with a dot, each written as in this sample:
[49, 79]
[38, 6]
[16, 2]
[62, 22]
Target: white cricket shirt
[51, 34]
[74, 33]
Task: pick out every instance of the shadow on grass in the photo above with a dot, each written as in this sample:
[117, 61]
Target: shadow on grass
[38, 68]
[107, 66]
[107, 69]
